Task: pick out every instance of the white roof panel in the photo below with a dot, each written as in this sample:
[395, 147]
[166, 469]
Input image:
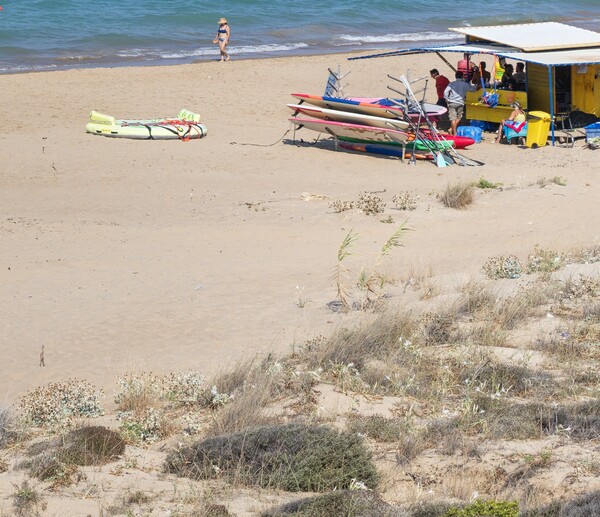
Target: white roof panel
[534, 36]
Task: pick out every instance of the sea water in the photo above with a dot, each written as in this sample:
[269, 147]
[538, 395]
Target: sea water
[58, 34]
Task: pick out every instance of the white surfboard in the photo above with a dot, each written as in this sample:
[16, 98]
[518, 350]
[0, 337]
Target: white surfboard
[354, 131]
[346, 116]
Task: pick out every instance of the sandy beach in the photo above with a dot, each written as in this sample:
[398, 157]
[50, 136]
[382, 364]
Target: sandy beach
[121, 255]
[163, 255]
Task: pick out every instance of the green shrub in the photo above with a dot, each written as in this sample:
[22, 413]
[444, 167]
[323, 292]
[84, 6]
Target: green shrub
[485, 184]
[341, 503]
[486, 509]
[293, 457]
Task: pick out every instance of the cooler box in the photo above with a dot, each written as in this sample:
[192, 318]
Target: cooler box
[484, 125]
[471, 132]
[592, 131]
[539, 126]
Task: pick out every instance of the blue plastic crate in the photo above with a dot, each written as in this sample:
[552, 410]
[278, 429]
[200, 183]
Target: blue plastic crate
[592, 131]
[470, 131]
[485, 126]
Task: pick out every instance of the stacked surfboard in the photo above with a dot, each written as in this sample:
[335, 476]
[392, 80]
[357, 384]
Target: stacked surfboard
[373, 125]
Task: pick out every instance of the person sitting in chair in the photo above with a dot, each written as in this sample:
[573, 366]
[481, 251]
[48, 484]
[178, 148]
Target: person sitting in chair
[516, 121]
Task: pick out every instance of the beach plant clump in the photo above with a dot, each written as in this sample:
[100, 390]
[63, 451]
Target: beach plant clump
[545, 261]
[370, 204]
[405, 201]
[459, 195]
[141, 399]
[292, 457]
[147, 425]
[59, 403]
[341, 503]
[342, 206]
[503, 267]
[144, 389]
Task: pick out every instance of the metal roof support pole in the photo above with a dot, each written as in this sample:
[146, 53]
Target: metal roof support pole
[551, 83]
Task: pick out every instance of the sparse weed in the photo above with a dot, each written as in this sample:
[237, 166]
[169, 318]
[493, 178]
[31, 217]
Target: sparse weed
[370, 284]
[543, 182]
[27, 502]
[7, 433]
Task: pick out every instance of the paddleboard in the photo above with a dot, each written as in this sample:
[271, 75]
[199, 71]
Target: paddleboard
[346, 130]
[384, 150]
[376, 106]
[365, 108]
[460, 142]
[184, 126]
[420, 145]
[432, 110]
[347, 116]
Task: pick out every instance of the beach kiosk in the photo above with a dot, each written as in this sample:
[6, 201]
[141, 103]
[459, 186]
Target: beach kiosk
[562, 68]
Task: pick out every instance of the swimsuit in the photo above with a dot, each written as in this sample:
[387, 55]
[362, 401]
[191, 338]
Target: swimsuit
[222, 31]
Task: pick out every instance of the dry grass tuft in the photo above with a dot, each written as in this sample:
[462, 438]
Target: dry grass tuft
[459, 195]
[377, 340]
[246, 390]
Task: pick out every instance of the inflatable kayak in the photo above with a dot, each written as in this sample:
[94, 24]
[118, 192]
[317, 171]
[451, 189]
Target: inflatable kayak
[185, 126]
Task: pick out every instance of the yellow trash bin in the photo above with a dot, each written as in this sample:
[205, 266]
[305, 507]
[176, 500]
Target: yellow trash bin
[539, 126]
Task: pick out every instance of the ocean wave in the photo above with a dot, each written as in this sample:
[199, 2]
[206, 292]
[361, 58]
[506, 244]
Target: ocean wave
[391, 38]
[243, 49]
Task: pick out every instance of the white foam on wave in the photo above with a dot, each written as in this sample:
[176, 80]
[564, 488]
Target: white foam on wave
[348, 39]
[24, 68]
[243, 49]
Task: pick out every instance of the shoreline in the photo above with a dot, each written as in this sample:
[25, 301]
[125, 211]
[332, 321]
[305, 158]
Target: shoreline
[249, 57]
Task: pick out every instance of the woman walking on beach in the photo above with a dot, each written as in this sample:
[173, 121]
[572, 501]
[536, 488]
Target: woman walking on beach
[222, 38]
